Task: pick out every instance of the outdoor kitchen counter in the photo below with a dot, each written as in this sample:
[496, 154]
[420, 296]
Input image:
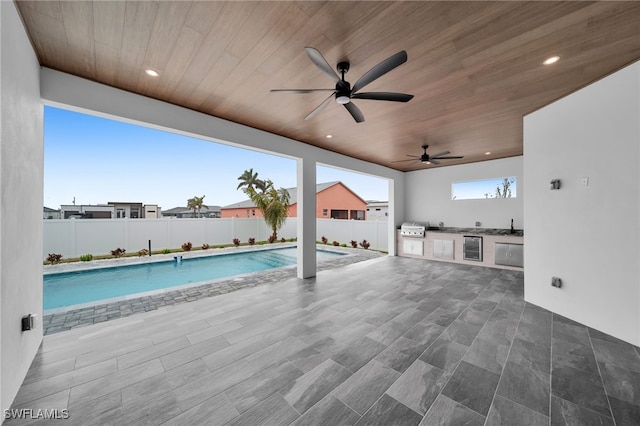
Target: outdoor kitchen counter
[436, 241]
[478, 231]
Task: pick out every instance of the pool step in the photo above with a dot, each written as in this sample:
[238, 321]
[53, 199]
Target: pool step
[276, 259]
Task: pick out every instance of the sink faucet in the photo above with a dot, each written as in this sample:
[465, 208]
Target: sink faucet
[512, 226]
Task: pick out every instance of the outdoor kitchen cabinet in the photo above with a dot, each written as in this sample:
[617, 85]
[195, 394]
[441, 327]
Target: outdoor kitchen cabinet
[414, 247]
[508, 254]
[443, 249]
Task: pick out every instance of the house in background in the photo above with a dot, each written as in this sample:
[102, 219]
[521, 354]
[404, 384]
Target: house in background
[183, 212]
[111, 210]
[87, 211]
[334, 200]
[377, 210]
[49, 213]
[135, 210]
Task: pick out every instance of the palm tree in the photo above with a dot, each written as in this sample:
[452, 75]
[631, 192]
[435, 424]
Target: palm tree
[196, 204]
[250, 180]
[506, 188]
[273, 202]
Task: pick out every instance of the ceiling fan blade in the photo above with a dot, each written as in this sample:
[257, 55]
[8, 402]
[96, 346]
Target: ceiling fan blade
[320, 62]
[450, 157]
[302, 90]
[410, 159]
[381, 69]
[355, 112]
[383, 96]
[414, 156]
[320, 107]
[440, 154]
[432, 161]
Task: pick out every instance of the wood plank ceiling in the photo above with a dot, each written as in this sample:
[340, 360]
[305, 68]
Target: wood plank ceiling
[475, 68]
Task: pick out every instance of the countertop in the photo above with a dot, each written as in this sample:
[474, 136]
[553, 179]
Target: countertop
[478, 231]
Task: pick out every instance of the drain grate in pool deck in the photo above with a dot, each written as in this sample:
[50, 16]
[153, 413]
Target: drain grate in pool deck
[63, 321]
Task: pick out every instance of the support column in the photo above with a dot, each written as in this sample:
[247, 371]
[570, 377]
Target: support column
[306, 225]
[396, 212]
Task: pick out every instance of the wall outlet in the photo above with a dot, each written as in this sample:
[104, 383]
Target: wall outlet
[28, 322]
[556, 282]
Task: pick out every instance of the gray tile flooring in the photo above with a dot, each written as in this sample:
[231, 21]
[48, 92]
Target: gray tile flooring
[384, 341]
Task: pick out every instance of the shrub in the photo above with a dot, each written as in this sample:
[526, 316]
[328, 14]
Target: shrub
[272, 239]
[236, 242]
[205, 246]
[118, 252]
[86, 257]
[365, 244]
[143, 252]
[165, 251]
[335, 243]
[187, 246]
[252, 241]
[324, 240]
[354, 244]
[283, 240]
[54, 258]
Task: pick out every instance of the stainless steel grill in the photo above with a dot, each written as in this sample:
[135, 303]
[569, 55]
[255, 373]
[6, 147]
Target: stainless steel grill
[413, 230]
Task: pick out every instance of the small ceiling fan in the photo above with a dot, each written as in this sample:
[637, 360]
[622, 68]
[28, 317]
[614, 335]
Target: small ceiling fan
[343, 92]
[430, 159]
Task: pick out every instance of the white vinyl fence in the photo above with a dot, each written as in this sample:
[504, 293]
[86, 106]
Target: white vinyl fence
[75, 237]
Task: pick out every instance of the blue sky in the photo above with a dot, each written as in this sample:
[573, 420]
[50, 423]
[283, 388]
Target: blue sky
[97, 160]
[481, 189]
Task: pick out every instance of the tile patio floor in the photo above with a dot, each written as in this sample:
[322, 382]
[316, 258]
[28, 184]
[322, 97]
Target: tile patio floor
[384, 341]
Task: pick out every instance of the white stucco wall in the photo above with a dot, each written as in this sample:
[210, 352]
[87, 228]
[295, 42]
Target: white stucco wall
[586, 235]
[428, 196]
[21, 174]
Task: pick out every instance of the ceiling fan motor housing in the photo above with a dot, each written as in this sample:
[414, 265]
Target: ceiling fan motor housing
[343, 92]
[424, 158]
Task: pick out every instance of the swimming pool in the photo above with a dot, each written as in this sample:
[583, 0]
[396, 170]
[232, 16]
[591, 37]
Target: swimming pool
[82, 287]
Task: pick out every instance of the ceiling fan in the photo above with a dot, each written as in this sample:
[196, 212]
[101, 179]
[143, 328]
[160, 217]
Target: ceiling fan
[343, 92]
[430, 159]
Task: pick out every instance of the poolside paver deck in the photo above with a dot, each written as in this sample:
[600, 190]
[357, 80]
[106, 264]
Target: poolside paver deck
[57, 322]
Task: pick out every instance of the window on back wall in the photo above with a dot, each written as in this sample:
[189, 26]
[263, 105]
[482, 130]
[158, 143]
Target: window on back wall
[485, 189]
[325, 212]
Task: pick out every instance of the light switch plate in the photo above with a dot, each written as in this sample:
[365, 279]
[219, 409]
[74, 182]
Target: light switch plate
[584, 181]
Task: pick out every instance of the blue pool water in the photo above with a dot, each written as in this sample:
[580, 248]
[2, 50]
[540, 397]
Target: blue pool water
[72, 288]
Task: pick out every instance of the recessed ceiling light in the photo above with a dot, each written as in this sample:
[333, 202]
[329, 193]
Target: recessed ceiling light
[551, 60]
[152, 73]
[487, 153]
[329, 136]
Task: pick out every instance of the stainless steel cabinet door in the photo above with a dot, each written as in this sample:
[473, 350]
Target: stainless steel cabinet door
[509, 254]
[443, 249]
